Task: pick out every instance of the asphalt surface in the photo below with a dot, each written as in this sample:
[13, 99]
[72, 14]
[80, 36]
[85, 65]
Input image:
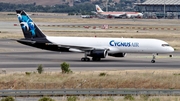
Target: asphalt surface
[17, 57]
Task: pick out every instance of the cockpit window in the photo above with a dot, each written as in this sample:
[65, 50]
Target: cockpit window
[165, 45]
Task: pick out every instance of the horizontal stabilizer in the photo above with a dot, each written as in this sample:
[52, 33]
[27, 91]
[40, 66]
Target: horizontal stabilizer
[26, 41]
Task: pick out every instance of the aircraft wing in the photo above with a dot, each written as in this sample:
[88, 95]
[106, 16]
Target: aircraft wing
[82, 48]
[78, 47]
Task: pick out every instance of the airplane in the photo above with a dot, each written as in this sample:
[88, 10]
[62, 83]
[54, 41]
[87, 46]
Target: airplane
[118, 14]
[94, 47]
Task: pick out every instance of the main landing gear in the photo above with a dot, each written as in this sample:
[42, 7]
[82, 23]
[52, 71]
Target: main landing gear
[85, 58]
[88, 59]
[153, 59]
[96, 59]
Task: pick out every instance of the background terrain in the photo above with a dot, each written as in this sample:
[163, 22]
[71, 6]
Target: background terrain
[38, 2]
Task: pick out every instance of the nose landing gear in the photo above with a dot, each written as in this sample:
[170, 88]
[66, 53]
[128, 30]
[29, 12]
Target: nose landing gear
[153, 59]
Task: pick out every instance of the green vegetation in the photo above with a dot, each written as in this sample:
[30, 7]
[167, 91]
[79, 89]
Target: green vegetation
[129, 97]
[8, 99]
[103, 74]
[144, 97]
[176, 74]
[46, 99]
[65, 68]
[109, 99]
[28, 73]
[155, 99]
[72, 98]
[85, 8]
[40, 69]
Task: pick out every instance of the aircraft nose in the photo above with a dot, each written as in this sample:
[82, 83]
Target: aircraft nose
[171, 49]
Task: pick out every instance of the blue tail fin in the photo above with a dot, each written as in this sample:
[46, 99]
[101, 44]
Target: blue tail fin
[29, 28]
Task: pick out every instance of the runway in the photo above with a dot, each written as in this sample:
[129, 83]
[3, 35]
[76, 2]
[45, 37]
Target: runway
[17, 57]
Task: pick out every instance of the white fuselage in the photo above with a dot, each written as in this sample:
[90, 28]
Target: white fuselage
[115, 45]
[113, 14]
[118, 14]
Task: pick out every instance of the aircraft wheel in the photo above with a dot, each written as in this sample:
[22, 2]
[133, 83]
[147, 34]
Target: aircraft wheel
[87, 59]
[82, 59]
[96, 59]
[153, 61]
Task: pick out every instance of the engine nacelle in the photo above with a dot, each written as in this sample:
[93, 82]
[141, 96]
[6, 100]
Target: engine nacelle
[97, 53]
[128, 16]
[117, 54]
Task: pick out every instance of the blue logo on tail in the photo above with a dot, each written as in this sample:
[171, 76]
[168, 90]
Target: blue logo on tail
[27, 24]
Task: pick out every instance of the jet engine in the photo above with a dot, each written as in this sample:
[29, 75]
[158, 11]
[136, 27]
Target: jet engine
[117, 54]
[128, 16]
[97, 53]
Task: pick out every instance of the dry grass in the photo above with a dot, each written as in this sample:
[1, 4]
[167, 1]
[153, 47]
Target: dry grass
[137, 98]
[158, 79]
